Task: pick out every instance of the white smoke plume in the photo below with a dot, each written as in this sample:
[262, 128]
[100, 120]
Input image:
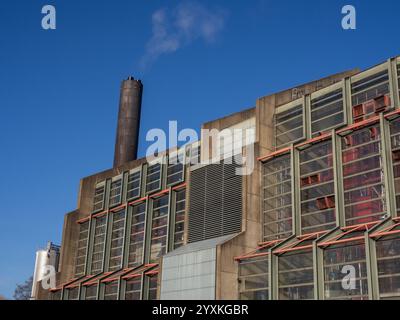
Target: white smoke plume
[178, 27]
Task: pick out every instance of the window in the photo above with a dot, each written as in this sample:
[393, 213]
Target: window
[153, 181]
[80, 261]
[73, 293]
[277, 198]
[370, 95]
[136, 238]
[180, 201]
[175, 168]
[117, 240]
[91, 292]
[363, 176]
[159, 227]
[388, 257]
[296, 276]
[337, 259]
[317, 188]
[98, 200]
[133, 289]
[134, 185]
[111, 290]
[56, 295]
[195, 153]
[153, 287]
[327, 112]
[289, 126]
[115, 192]
[395, 144]
[253, 278]
[98, 244]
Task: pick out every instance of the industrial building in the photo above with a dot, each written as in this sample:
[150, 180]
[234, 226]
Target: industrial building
[322, 203]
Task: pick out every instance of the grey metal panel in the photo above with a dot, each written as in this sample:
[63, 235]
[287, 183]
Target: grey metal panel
[215, 202]
[189, 273]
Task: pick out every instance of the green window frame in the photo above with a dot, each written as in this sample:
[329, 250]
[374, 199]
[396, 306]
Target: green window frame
[179, 228]
[115, 191]
[99, 197]
[254, 278]
[82, 247]
[91, 292]
[176, 168]
[117, 240]
[153, 286]
[195, 153]
[363, 181]
[154, 177]
[317, 190]
[137, 234]
[133, 288]
[296, 276]
[327, 111]
[277, 198]
[134, 184]
[289, 124]
[111, 290]
[99, 239]
[370, 93]
[395, 150]
[388, 266]
[159, 227]
[335, 258]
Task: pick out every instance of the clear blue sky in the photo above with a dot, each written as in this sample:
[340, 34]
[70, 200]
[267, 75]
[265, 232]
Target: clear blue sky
[59, 89]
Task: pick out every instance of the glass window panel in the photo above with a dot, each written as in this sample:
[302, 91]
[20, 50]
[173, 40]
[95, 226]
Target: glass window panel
[136, 239]
[73, 293]
[115, 192]
[98, 199]
[336, 259]
[80, 260]
[195, 154]
[91, 292]
[253, 278]
[370, 96]
[117, 240]
[133, 289]
[111, 290]
[56, 295]
[363, 176]
[277, 201]
[388, 258]
[134, 185]
[395, 144]
[317, 188]
[289, 126]
[180, 200]
[296, 276]
[159, 231]
[153, 181]
[327, 112]
[98, 244]
[152, 295]
[175, 169]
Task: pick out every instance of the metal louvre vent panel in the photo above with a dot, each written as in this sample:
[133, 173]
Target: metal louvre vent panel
[215, 202]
